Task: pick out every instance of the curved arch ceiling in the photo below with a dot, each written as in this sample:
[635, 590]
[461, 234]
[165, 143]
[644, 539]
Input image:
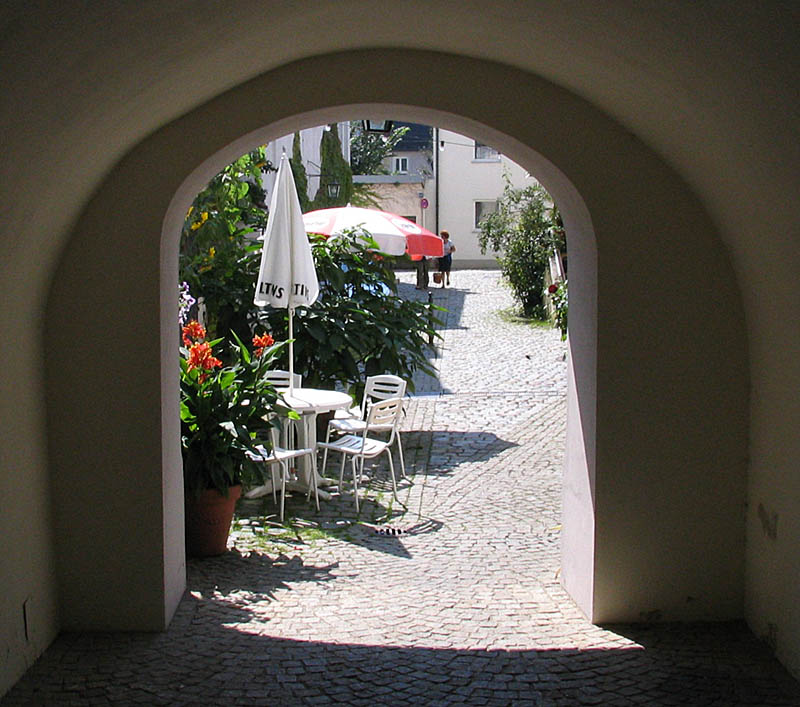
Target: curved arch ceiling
[712, 87]
[97, 79]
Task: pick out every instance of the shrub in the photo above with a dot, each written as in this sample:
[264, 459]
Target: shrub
[525, 230]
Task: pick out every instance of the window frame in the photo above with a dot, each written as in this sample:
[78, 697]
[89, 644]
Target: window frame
[492, 155]
[476, 219]
[397, 160]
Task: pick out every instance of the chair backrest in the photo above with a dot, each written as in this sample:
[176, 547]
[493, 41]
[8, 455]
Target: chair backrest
[280, 379]
[384, 414]
[382, 387]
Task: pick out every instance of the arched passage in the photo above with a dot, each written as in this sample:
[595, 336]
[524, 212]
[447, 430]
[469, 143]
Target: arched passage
[649, 525]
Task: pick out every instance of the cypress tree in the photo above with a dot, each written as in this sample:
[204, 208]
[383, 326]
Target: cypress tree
[334, 169]
[299, 173]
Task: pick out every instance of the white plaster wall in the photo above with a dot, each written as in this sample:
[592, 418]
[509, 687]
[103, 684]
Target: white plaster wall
[401, 199]
[464, 180]
[713, 92]
[27, 567]
[629, 543]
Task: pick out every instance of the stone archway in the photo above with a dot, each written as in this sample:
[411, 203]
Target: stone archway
[636, 234]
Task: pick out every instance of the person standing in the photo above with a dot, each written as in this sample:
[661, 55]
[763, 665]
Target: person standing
[422, 273]
[446, 261]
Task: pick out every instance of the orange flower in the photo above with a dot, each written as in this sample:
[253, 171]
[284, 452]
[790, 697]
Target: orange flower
[200, 357]
[262, 342]
[193, 330]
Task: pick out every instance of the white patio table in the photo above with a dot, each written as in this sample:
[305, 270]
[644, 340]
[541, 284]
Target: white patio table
[308, 403]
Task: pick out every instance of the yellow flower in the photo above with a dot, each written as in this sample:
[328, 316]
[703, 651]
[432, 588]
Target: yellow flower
[212, 251]
[203, 219]
[189, 212]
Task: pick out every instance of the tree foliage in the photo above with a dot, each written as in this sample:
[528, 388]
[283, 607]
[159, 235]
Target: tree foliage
[369, 150]
[334, 169]
[217, 259]
[299, 173]
[525, 230]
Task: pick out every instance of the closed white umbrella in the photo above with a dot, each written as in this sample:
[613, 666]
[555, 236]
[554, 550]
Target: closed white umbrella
[287, 277]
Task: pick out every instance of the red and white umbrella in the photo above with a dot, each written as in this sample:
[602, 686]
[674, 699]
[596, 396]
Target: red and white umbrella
[394, 234]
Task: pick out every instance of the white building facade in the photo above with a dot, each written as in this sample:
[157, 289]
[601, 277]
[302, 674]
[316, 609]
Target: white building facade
[470, 183]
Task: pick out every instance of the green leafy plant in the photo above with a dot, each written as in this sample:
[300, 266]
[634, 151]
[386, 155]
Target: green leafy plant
[225, 410]
[525, 230]
[217, 258]
[359, 326]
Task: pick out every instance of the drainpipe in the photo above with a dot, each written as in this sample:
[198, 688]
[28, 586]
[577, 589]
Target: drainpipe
[436, 176]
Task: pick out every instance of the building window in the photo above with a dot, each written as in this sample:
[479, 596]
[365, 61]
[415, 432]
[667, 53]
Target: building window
[482, 209]
[401, 165]
[484, 152]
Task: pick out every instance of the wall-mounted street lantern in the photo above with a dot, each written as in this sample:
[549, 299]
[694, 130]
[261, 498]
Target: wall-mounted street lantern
[377, 126]
[331, 188]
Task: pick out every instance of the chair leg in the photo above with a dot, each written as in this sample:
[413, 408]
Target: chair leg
[400, 454]
[314, 487]
[355, 482]
[341, 474]
[274, 484]
[284, 474]
[325, 453]
[391, 471]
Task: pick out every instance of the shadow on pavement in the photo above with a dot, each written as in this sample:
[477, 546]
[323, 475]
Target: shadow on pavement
[210, 657]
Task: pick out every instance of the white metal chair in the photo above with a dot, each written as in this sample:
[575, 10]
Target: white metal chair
[280, 457]
[280, 379]
[382, 414]
[382, 387]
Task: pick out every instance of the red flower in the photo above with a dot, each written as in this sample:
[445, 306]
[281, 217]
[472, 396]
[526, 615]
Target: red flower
[193, 330]
[200, 357]
[262, 342]
[552, 289]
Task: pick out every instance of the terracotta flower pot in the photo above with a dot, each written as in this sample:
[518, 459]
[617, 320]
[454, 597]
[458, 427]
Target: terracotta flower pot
[208, 521]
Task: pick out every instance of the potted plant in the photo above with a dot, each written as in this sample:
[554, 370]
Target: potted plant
[224, 414]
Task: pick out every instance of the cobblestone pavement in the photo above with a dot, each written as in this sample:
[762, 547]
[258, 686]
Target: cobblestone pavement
[450, 597]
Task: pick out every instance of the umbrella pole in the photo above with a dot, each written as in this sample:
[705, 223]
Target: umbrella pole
[291, 351]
